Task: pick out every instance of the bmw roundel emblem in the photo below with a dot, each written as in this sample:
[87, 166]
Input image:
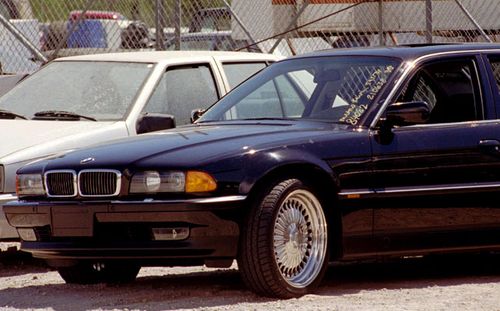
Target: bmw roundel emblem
[87, 160]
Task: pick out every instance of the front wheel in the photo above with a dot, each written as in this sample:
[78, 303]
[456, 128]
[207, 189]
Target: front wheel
[97, 272]
[284, 245]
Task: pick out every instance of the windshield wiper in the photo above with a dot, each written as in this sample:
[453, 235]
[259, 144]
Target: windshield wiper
[60, 115]
[5, 114]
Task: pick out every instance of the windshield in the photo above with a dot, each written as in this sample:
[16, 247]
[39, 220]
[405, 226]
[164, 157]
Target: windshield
[99, 90]
[335, 89]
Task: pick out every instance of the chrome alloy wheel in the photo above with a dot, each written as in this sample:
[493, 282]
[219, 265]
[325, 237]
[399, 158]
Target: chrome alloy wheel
[300, 238]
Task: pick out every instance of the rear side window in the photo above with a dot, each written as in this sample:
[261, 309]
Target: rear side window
[495, 67]
[239, 72]
[181, 90]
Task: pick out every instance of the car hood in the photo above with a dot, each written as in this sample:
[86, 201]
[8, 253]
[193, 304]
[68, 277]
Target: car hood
[194, 146]
[23, 140]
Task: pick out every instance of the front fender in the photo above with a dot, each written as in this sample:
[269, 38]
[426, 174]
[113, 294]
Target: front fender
[260, 164]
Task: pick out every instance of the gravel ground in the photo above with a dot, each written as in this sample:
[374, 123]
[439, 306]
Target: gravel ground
[470, 282]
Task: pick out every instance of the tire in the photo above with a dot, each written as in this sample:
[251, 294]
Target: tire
[92, 273]
[284, 242]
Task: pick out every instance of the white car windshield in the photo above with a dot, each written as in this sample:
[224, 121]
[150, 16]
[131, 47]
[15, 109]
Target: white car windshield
[77, 90]
[334, 89]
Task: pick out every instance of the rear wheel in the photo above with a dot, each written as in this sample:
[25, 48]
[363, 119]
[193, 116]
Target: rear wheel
[97, 272]
[284, 246]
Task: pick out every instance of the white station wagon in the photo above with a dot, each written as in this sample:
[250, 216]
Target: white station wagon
[77, 101]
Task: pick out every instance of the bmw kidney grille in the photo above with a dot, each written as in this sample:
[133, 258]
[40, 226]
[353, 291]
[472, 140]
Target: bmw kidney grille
[87, 183]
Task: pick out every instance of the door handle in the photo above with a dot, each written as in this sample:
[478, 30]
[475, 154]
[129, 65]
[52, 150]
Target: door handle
[490, 145]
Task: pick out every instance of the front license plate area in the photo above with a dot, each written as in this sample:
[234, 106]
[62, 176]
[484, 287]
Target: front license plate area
[72, 221]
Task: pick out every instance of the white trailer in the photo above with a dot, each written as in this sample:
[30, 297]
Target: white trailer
[265, 18]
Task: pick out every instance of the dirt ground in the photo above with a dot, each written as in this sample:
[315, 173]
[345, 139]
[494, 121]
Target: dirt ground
[466, 282]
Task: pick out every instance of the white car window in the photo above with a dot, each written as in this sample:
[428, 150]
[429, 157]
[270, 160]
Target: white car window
[101, 90]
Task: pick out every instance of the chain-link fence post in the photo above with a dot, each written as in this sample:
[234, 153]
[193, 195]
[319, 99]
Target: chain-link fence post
[159, 25]
[428, 21]
[381, 37]
[178, 24]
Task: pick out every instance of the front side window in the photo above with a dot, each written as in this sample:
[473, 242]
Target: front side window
[181, 90]
[450, 89]
[335, 89]
[100, 90]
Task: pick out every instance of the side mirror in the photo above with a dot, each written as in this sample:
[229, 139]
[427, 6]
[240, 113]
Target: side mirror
[196, 114]
[151, 122]
[408, 113]
[402, 113]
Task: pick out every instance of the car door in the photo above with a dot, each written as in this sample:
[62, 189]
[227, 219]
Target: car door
[437, 184]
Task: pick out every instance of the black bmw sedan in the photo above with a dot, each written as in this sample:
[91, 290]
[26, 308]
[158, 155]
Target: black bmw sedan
[332, 156]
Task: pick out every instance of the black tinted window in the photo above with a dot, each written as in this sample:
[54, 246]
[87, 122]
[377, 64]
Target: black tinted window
[450, 90]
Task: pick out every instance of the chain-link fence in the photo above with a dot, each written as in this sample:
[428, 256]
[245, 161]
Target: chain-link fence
[35, 31]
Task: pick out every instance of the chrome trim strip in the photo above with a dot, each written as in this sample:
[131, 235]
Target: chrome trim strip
[118, 182]
[410, 65]
[7, 197]
[75, 192]
[229, 198]
[420, 189]
[451, 124]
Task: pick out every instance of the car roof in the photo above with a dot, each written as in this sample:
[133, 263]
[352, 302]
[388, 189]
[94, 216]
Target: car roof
[158, 56]
[405, 52]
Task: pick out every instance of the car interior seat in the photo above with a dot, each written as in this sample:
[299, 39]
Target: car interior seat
[455, 108]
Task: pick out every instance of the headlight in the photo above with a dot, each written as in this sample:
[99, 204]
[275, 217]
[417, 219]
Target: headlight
[153, 182]
[29, 184]
[159, 182]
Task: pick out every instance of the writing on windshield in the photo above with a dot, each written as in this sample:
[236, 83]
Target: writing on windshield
[338, 89]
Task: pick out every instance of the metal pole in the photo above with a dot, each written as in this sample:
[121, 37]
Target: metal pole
[178, 21]
[22, 38]
[73, 27]
[238, 20]
[428, 21]
[381, 39]
[471, 18]
[291, 25]
[160, 44]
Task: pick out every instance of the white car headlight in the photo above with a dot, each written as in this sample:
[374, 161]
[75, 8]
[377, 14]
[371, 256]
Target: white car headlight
[29, 184]
[155, 182]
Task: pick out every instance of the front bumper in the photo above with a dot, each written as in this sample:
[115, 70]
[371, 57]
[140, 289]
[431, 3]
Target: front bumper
[7, 232]
[125, 230]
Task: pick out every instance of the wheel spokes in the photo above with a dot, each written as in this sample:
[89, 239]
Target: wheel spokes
[300, 238]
